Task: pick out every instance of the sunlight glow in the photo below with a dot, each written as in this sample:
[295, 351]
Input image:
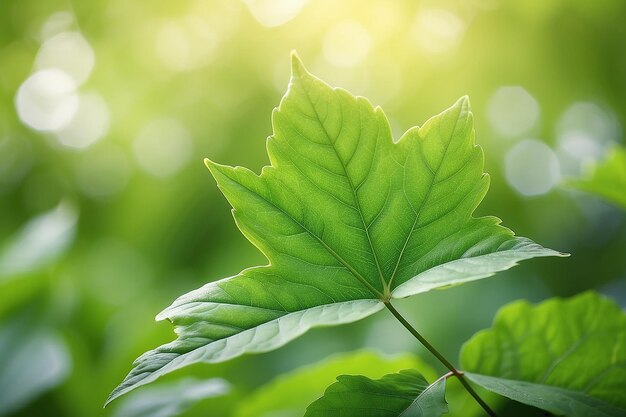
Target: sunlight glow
[437, 30]
[347, 44]
[271, 13]
[185, 44]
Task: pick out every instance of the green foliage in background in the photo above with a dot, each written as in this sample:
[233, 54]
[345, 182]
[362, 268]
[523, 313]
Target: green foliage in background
[104, 220]
[405, 394]
[290, 394]
[606, 179]
[565, 356]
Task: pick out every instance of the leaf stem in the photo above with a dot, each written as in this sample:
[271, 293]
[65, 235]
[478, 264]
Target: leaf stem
[441, 358]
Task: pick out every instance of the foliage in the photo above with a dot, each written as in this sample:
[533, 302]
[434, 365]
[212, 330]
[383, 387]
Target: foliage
[564, 356]
[405, 394]
[607, 179]
[290, 394]
[35, 351]
[348, 219]
[171, 399]
[181, 80]
[340, 213]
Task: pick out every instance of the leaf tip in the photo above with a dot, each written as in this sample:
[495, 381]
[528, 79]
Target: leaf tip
[161, 316]
[297, 67]
[212, 166]
[208, 163]
[464, 103]
[111, 397]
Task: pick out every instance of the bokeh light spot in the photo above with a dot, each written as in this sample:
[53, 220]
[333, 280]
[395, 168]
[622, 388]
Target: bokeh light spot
[89, 124]
[584, 132]
[347, 44]
[69, 52]
[588, 121]
[163, 147]
[512, 111]
[437, 30]
[185, 44]
[271, 13]
[47, 100]
[532, 168]
[56, 23]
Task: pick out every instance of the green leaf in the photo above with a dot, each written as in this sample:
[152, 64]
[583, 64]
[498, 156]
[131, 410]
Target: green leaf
[607, 180]
[41, 241]
[171, 399]
[564, 356]
[405, 394]
[33, 360]
[348, 219]
[290, 394]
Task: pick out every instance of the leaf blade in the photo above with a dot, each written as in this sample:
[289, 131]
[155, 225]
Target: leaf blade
[404, 394]
[334, 214]
[563, 352]
[472, 268]
[258, 338]
[560, 401]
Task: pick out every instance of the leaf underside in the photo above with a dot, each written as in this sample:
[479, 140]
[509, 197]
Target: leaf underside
[405, 394]
[564, 356]
[348, 219]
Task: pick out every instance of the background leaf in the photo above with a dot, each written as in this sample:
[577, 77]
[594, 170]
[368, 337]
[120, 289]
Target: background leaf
[33, 360]
[170, 399]
[405, 394]
[290, 394]
[606, 179]
[345, 216]
[39, 242]
[564, 356]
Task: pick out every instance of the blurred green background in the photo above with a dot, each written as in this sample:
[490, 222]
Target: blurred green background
[107, 213]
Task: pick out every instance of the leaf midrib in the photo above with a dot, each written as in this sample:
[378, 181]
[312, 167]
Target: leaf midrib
[386, 288]
[386, 284]
[421, 394]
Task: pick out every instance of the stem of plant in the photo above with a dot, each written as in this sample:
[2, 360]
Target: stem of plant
[441, 358]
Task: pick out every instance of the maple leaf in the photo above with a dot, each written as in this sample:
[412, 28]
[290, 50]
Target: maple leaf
[348, 219]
